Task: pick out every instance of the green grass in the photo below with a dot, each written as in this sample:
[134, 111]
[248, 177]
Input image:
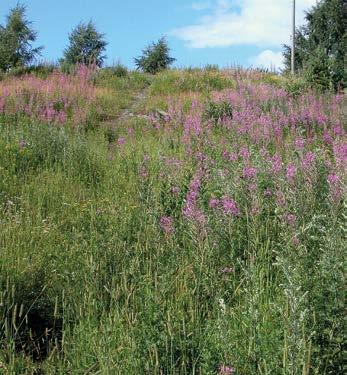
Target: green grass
[83, 254]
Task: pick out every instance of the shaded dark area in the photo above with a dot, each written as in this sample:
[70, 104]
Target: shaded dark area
[31, 320]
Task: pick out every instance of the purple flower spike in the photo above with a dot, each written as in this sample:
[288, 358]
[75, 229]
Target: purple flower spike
[166, 224]
[226, 370]
[230, 207]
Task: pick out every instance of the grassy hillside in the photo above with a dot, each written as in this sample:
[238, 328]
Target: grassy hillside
[186, 223]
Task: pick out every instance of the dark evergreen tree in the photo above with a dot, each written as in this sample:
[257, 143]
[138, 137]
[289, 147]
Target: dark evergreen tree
[301, 50]
[16, 39]
[86, 46]
[323, 37]
[155, 57]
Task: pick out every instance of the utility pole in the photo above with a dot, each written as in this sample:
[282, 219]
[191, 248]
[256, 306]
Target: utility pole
[293, 42]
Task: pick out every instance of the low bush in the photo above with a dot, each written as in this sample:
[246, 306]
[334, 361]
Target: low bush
[155, 57]
[218, 111]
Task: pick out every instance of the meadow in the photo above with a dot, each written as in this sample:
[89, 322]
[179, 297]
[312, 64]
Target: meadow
[190, 222]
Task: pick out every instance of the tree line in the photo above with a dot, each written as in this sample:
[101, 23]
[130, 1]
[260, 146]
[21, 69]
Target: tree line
[320, 46]
[86, 46]
[320, 54]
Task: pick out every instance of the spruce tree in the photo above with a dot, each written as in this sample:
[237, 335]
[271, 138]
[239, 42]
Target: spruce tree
[324, 37]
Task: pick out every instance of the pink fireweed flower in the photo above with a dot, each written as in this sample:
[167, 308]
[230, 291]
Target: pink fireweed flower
[213, 203]
[335, 187]
[22, 144]
[280, 198]
[327, 138]
[299, 143]
[191, 208]
[200, 156]
[195, 184]
[121, 141]
[143, 172]
[173, 163]
[290, 219]
[340, 155]
[252, 188]
[249, 172]
[166, 224]
[233, 156]
[226, 154]
[192, 126]
[61, 117]
[226, 370]
[244, 153]
[276, 164]
[295, 241]
[291, 172]
[175, 190]
[229, 207]
[255, 210]
[222, 173]
[328, 163]
[338, 130]
[85, 72]
[333, 178]
[308, 160]
[264, 152]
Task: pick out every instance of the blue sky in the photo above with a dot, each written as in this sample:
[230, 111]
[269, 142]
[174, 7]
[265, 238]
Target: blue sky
[223, 32]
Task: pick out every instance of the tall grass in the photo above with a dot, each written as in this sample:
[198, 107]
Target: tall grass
[200, 241]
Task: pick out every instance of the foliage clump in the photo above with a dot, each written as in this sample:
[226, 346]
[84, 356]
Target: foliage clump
[16, 39]
[321, 45]
[217, 111]
[86, 46]
[155, 57]
[119, 70]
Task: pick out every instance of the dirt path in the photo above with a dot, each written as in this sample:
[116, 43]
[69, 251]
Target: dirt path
[132, 110]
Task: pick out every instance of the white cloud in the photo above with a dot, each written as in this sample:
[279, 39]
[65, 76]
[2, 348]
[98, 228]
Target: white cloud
[264, 23]
[268, 59]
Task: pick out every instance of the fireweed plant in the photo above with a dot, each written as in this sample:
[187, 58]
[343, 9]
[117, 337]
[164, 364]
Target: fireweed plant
[172, 240]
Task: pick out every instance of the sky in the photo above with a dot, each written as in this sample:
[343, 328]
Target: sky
[224, 32]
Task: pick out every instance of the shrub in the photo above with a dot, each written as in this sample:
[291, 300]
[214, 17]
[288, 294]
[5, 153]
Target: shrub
[155, 57]
[216, 111]
[118, 70]
[40, 71]
[211, 67]
[296, 86]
